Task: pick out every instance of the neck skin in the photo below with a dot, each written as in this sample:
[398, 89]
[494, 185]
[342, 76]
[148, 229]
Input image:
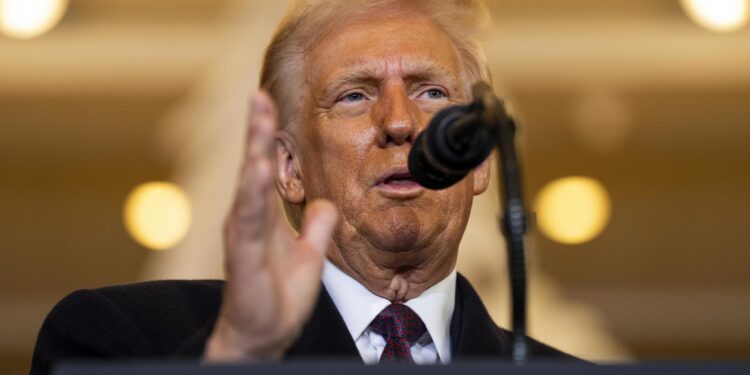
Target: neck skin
[395, 276]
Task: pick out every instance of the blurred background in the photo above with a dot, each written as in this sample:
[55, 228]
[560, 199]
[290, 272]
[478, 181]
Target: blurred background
[633, 133]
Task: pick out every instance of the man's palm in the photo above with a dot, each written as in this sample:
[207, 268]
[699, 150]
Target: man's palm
[272, 275]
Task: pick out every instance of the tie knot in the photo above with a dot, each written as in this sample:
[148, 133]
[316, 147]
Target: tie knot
[398, 320]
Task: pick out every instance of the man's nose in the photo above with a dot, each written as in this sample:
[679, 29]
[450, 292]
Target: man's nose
[398, 116]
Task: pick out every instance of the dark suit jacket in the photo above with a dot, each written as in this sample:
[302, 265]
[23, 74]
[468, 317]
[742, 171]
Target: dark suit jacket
[173, 319]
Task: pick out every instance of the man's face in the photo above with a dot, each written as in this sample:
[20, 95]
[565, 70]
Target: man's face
[373, 86]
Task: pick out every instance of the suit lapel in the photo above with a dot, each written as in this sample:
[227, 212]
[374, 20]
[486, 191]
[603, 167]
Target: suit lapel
[473, 333]
[325, 335]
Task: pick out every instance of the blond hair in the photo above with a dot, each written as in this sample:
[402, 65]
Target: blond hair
[309, 21]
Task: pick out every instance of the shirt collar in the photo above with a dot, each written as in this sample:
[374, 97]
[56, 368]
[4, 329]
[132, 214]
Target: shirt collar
[358, 306]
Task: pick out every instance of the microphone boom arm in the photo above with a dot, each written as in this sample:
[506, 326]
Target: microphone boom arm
[458, 139]
[513, 222]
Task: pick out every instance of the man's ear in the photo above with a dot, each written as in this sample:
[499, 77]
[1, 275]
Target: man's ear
[288, 174]
[481, 175]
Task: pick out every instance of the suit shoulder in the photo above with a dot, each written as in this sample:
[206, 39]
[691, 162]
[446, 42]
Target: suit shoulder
[149, 319]
[163, 293]
[178, 301]
[160, 310]
[479, 325]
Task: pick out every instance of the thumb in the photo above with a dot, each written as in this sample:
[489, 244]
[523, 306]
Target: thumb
[318, 224]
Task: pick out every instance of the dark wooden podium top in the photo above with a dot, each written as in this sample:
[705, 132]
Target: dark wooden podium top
[336, 368]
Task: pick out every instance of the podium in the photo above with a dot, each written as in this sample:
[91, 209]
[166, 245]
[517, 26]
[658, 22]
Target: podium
[346, 368]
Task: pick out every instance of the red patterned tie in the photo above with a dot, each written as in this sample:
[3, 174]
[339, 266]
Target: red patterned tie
[401, 327]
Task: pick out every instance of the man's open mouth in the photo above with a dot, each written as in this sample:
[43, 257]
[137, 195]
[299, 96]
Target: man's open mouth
[399, 179]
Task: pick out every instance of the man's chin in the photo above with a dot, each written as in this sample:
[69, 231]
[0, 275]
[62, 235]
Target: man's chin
[396, 242]
[397, 230]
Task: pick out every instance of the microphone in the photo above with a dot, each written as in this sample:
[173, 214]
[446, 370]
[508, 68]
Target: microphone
[457, 140]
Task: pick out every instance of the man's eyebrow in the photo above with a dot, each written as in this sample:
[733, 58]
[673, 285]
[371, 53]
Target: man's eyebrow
[359, 74]
[430, 71]
[419, 70]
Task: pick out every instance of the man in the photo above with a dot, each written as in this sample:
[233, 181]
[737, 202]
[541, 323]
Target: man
[355, 82]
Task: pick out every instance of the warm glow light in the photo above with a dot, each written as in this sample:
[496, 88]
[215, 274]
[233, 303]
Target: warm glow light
[25, 19]
[717, 15]
[157, 215]
[573, 210]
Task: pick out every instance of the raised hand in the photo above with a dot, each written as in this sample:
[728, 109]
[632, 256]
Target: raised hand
[272, 275]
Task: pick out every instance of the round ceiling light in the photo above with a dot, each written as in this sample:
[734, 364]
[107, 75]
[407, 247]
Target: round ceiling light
[157, 215]
[717, 15]
[572, 210]
[24, 19]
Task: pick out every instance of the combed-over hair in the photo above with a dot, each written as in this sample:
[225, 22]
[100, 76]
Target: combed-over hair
[309, 21]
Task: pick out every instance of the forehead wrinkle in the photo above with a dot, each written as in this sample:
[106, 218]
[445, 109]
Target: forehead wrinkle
[361, 72]
[411, 69]
[421, 69]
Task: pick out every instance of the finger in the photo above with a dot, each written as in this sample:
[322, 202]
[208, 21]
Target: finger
[261, 125]
[318, 224]
[255, 175]
[250, 215]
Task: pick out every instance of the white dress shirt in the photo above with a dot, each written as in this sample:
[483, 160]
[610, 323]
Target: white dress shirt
[359, 306]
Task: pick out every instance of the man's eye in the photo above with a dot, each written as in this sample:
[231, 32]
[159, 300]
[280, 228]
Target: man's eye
[435, 94]
[352, 97]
